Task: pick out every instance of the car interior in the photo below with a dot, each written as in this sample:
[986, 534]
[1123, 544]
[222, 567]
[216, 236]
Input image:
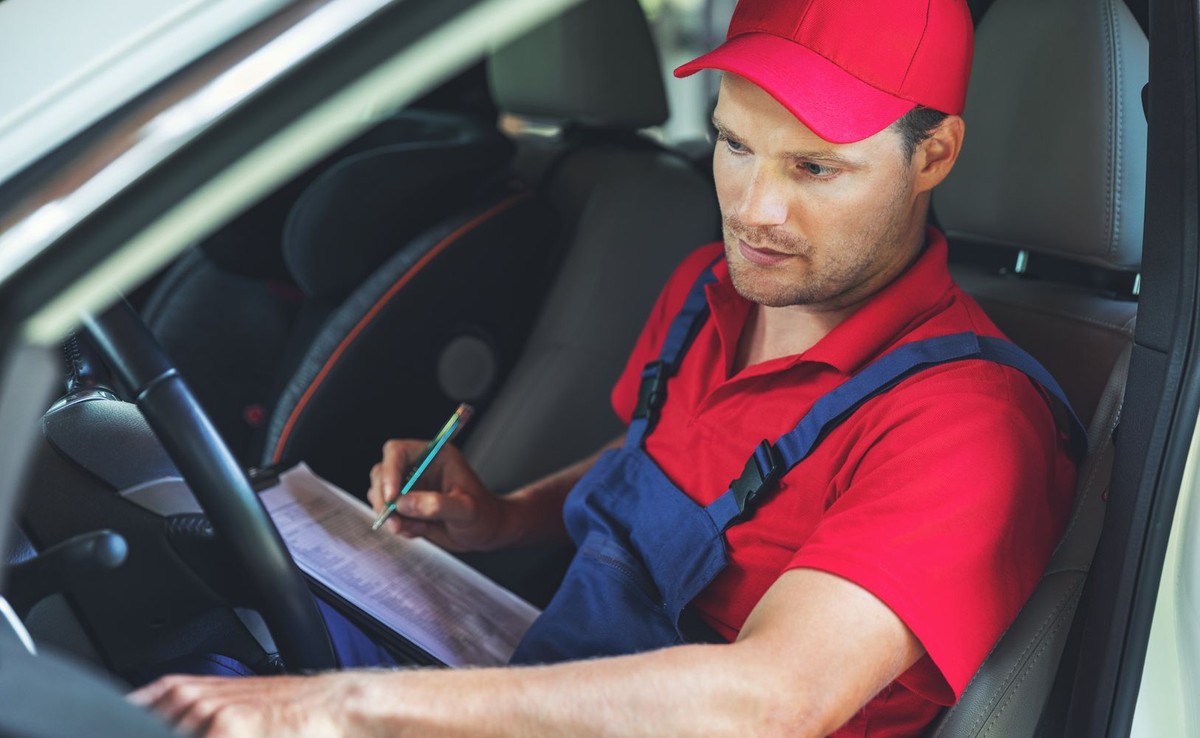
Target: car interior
[436, 259]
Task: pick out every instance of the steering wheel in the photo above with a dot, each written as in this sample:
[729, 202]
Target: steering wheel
[218, 483]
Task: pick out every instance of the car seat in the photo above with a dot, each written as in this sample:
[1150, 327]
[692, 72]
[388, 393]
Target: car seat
[630, 209]
[298, 324]
[1051, 183]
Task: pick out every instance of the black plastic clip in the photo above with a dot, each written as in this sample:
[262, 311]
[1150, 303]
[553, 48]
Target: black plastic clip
[762, 471]
[652, 392]
[263, 477]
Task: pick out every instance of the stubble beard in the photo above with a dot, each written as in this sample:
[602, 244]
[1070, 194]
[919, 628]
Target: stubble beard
[834, 274]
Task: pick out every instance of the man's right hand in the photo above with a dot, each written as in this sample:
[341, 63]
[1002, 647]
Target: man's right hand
[449, 504]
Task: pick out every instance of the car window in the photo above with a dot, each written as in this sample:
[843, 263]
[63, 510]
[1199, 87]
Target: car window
[77, 66]
[684, 29]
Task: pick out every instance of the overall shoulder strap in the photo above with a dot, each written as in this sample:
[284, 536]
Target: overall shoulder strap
[684, 326]
[771, 461]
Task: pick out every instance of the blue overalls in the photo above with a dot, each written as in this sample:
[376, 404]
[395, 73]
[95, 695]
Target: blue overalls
[646, 550]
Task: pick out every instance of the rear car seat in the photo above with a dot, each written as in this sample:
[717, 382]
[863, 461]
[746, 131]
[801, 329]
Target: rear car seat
[397, 238]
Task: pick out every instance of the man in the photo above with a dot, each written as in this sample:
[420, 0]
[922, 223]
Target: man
[859, 568]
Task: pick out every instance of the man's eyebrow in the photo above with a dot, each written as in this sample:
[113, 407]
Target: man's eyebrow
[824, 157]
[831, 158]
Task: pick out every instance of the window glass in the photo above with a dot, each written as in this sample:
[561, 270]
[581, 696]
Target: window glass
[684, 29]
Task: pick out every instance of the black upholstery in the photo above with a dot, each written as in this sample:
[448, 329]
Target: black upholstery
[440, 322]
[241, 312]
[353, 216]
[251, 243]
[199, 313]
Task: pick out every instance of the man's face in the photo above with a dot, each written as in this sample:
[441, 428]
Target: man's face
[808, 222]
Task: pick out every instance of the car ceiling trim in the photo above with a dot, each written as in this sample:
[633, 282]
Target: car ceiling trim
[166, 123]
[122, 63]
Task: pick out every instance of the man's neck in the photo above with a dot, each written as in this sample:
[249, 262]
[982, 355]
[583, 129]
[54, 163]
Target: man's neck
[770, 333]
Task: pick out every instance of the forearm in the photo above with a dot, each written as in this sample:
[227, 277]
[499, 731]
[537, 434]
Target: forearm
[787, 675]
[533, 513]
[689, 690]
[814, 651]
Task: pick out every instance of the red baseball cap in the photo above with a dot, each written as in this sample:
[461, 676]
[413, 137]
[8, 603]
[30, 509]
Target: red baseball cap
[849, 68]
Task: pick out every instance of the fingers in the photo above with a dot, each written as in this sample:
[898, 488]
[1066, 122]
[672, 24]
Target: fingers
[436, 533]
[375, 492]
[399, 456]
[221, 707]
[149, 694]
[448, 508]
[388, 474]
[393, 525]
[412, 510]
[187, 702]
[410, 528]
[452, 508]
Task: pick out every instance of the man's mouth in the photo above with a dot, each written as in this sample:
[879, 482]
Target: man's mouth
[761, 256]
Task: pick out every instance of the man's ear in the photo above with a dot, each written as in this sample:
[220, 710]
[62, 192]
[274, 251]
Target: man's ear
[935, 156]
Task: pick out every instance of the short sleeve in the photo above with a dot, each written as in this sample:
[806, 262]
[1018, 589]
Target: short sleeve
[670, 301]
[949, 513]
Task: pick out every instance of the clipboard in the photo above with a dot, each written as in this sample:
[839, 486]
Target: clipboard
[409, 595]
[405, 651]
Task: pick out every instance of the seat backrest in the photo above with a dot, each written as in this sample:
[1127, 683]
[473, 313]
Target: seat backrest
[1053, 176]
[309, 261]
[386, 350]
[631, 211]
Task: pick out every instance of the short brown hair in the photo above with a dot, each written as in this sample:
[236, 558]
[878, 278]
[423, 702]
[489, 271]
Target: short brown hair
[917, 125]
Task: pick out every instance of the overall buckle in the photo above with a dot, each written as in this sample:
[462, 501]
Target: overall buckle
[762, 471]
[652, 392]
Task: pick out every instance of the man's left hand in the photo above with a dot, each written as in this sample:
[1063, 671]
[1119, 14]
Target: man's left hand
[319, 706]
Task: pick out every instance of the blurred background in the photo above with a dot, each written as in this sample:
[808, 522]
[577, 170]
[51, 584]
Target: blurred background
[684, 29]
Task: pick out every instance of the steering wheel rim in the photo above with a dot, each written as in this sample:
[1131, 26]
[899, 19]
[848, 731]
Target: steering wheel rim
[219, 484]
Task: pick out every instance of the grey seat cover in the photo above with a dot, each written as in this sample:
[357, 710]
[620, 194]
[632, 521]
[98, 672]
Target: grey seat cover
[1054, 163]
[631, 214]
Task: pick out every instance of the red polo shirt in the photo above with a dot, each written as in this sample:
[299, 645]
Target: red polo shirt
[943, 497]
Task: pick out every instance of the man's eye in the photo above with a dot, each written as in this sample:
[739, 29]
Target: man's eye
[818, 170]
[734, 146]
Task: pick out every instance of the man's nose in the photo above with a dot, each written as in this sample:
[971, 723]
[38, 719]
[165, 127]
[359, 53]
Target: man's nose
[763, 201]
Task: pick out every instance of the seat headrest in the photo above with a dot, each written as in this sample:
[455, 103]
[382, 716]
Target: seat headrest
[594, 64]
[410, 172]
[1055, 154]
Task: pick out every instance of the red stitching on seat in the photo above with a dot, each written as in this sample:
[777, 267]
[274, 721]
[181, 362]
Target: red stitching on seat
[379, 304]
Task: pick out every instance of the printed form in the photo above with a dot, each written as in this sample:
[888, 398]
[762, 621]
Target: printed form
[440, 604]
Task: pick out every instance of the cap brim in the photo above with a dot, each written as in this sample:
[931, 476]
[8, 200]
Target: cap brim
[834, 104]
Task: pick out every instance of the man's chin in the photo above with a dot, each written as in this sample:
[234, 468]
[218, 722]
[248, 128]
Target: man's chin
[767, 292]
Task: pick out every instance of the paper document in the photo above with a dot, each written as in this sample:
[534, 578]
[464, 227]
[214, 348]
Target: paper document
[432, 599]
